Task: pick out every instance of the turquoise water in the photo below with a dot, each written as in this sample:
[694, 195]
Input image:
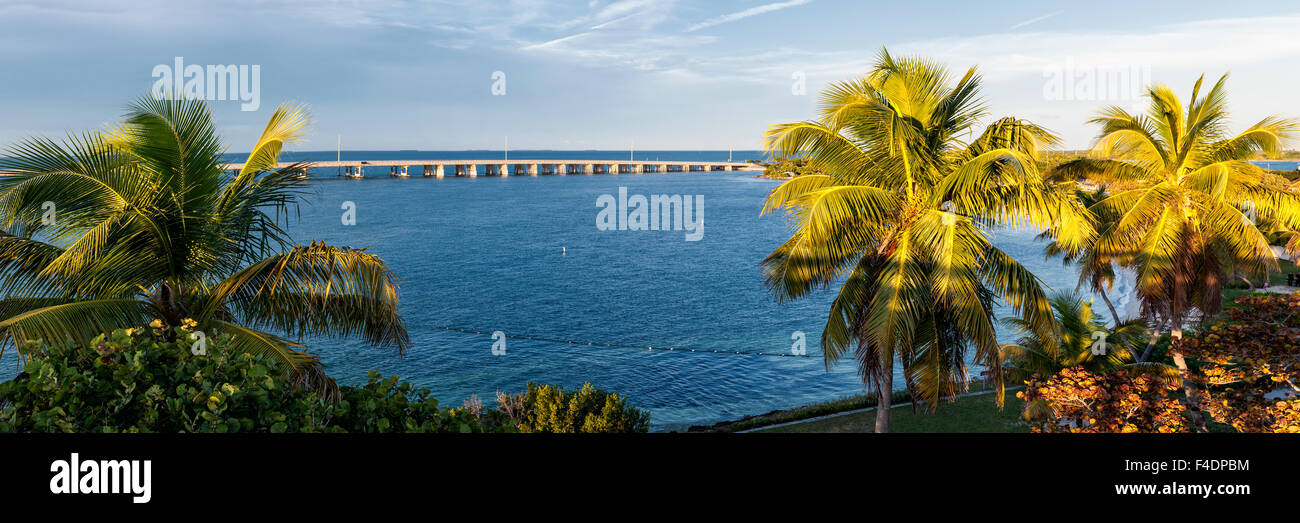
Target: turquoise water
[523, 255]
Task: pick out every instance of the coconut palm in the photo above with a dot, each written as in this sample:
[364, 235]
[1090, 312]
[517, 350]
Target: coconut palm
[1096, 267]
[900, 221]
[1082, 340]
[1075, 343]
[141, 222]
[1193, 212]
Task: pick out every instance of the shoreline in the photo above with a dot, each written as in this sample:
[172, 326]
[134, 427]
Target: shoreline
[825, 409]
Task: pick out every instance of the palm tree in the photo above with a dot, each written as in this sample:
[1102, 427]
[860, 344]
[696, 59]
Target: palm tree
[1096, 268]
[111, 229]
[1075, 344]
[900, 221]
[1192, 213]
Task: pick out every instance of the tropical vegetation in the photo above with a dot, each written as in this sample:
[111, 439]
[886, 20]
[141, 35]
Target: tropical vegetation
[782, 168]
[1194, 214]
[550, 408]
[141, 380]
[900, 219]
[1096, 267]
[1076, 400]
[1082, 340]
[1248, 368]
[137, 380]
[141, 222]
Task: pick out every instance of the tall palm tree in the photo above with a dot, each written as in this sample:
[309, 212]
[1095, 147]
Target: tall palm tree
[1193, 212]
[112, 229]
[900, 221]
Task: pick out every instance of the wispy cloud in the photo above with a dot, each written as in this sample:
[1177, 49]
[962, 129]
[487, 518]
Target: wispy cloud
[753, 11]
[1032, 21]
[554, 42]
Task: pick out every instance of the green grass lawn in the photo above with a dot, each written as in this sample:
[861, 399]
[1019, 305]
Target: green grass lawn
[1274, 278]
[968, 414]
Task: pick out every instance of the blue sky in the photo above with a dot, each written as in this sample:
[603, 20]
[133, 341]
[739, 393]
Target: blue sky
[665, 74]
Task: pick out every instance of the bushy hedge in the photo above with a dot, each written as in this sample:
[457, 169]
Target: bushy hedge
[549, 408]
[133, 381]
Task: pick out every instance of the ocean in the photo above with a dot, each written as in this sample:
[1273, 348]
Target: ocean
[524, 256]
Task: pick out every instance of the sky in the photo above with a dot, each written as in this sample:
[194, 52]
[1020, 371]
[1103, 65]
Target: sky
[592, 74]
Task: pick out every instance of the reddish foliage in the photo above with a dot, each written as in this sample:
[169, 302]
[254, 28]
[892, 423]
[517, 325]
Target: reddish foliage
[1080, 401]
[1249, 366]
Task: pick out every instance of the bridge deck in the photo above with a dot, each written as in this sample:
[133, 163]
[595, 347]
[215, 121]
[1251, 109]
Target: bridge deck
[414, 163]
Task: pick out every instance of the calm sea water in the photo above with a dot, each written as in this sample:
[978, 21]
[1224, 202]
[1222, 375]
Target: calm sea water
[1278, 165]
[523, 255]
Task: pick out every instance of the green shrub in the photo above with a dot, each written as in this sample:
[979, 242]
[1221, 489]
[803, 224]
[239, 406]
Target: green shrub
[548, 408]
[132, 381]
[789, 168]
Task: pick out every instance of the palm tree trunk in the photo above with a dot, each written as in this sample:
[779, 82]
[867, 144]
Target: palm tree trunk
[884, 396]
[1109, 305]
[1189, 388]
[1151, 345]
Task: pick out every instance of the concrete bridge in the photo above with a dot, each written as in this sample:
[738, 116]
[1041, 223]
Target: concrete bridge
[471, 168]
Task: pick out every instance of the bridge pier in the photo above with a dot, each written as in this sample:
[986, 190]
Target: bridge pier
[471, 168]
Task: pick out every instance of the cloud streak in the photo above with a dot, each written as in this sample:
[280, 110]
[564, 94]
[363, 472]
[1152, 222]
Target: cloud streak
[1032, 21]
[753, 11]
